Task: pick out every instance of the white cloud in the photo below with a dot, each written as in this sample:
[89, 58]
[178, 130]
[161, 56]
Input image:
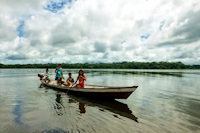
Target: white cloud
[106, 31]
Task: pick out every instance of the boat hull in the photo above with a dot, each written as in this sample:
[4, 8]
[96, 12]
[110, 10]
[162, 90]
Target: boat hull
[108, 95]
[97, 91]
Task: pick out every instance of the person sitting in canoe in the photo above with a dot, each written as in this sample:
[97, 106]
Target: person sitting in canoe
[59, 74]
[81, 78]
[62, 82]
[46, 76]
[70, 80]
[41, 76]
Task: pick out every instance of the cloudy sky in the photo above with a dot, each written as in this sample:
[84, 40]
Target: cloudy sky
[72, 31]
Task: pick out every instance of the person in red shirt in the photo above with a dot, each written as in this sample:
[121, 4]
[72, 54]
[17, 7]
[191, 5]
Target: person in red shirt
[81, 78]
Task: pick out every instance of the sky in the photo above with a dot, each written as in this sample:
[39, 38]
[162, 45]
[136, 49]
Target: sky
[79, 31]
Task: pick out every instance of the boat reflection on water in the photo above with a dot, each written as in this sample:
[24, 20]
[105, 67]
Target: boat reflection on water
[113, 106]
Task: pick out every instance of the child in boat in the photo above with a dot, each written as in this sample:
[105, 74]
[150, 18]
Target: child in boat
[59, 74]
[41, 76]
[70, 80]
[62, 82]
[81, 78]
[46, 76]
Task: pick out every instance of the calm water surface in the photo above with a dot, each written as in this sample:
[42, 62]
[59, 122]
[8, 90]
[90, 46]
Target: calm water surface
[165, 101]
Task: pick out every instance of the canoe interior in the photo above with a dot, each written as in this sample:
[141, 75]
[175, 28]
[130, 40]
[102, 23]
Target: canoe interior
[53, 82]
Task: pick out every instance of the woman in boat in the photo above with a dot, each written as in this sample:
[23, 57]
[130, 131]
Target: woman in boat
[81, 78]
[59, 74]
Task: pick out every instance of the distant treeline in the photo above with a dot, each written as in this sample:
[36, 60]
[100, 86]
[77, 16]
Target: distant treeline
[116, 65]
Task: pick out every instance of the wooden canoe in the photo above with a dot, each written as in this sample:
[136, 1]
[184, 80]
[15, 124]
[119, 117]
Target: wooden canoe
[96, 91]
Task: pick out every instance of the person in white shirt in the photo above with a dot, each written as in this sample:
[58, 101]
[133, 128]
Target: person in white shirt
[46, 76]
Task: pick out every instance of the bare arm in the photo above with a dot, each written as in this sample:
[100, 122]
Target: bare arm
[56, 70]
[76, 80]
[83, 77]
[62, 73]
[74, 83]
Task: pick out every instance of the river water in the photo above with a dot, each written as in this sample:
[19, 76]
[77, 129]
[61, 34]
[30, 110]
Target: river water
[165, 101]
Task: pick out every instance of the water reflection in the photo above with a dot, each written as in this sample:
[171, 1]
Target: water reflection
[82, 108]
[144, 73]
[132, 71]
[190, 107]
[58, 105]
[162, 103]
[113, 106]
[58, 130]
[17, 111]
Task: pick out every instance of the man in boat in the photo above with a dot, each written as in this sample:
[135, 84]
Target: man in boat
[46, 75]
[59, 74]
[81, 78]
[70, 80]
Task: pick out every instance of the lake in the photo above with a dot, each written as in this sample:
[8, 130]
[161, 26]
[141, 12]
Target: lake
[165, 101]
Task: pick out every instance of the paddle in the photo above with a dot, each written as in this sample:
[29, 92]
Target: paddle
[72, 85]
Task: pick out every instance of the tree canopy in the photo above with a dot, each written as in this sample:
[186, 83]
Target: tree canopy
[114, 65]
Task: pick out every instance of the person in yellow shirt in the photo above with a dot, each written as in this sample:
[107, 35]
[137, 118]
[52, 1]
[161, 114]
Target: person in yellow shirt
[70, 80]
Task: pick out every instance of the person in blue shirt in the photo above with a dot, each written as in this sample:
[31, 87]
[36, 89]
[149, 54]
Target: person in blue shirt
[59, 74]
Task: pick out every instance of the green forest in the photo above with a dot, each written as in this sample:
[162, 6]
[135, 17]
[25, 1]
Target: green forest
[115, 65]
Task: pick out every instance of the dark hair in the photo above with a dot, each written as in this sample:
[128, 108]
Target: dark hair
[70, 73]
[79, 73]
[59, 64]
[47, 69]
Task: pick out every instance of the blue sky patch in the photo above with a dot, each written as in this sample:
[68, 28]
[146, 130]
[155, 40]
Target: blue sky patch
[20, 29]
[168, 46]
[144, 37]
[56, 6]
[123, 42]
